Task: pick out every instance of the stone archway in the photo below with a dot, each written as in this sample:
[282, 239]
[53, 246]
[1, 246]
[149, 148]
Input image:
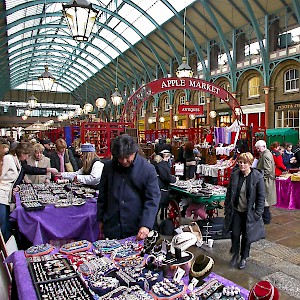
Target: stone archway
[136, 100]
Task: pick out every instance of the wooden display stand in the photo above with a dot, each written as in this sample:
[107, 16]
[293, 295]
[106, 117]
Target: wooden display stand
[102, 134]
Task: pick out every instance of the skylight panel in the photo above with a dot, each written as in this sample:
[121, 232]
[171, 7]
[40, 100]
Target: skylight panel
[92, 50]
[113, 22]
[131, 35]
[144, 25]
[160, 12]
[180, 5]
[104, 59]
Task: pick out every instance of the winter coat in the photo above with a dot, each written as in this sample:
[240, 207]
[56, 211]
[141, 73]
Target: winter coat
[9, 174]
[286, 157]
[26, 169]
[164, 178]
[122, 209]
[55, 161]
[267, 165]
[255, 193]
[279, 165]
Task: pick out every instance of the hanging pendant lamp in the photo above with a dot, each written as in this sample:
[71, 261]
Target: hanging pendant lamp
[81, 17]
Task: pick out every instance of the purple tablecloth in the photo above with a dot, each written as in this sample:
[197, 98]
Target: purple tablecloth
[26, 289]
[288, 193]
[74, 222]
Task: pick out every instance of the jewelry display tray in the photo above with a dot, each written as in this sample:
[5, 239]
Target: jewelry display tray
[30, 207]
[55, 278]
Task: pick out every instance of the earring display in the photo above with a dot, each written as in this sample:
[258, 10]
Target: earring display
[126, 250]
[39, 250]
[134, 261]
[168, 289]
[122, 292]
[51, 270]
[74, 247]
[107, 246]
[104, 285]
[63, 289]
[100, 266]
[32, 205]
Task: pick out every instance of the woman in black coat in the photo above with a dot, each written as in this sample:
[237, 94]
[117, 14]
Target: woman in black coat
[165, 177]
[244, 205]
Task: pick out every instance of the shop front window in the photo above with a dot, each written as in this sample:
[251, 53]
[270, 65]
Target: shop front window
[291, 81]
[291, 119]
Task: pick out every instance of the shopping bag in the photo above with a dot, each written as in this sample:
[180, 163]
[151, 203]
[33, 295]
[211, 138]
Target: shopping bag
[179, 169]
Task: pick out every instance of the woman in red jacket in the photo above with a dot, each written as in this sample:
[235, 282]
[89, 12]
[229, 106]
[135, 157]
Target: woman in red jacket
[277, 152]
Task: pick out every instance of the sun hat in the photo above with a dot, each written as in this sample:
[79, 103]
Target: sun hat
[201, 267]
[183, 241]
[87, 147]
[264, 290]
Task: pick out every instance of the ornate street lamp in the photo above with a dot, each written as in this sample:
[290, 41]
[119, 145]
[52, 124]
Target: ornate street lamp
[32, 101]
[46, 80]
[184, 70]
[116, 97]
[81, 17]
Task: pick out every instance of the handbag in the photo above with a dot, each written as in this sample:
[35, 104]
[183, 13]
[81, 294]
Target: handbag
[68, 165]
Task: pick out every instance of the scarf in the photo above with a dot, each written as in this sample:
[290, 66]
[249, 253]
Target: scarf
[61, 161]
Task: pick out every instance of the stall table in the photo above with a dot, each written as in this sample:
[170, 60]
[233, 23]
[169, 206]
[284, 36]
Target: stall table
[288, 193]
[26, 289]
[74, 222]
[211, 201]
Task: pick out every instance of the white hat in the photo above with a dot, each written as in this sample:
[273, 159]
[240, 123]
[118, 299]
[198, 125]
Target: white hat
[183, 241]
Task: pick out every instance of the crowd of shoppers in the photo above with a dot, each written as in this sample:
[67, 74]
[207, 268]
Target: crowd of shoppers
[132, 190]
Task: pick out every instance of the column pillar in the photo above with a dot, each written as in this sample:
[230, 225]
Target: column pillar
[233, 113]
[266, 90]
[207, 110]
[171, 120]
[156, 118]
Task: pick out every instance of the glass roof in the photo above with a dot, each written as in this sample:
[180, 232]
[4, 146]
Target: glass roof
[38, 35]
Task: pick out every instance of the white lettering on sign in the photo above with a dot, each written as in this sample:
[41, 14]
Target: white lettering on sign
[191, 109]
[173, 83]
[205, 86]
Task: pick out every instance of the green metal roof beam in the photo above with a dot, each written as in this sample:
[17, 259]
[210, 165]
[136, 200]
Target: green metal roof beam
[296, 6]
[263, 51]
[191, 36]
[161, 30]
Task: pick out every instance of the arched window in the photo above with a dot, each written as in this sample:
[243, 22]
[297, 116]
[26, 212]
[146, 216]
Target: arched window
[291, 81]
[253, 87]
[166, 103]
[201, 97]
[182, 99]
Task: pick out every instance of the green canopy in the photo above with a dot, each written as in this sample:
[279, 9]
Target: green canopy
[281, 135]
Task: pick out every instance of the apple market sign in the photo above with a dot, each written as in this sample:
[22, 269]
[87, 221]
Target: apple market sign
[136, 100]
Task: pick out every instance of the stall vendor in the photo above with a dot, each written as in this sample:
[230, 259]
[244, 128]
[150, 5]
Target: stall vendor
[129, 193]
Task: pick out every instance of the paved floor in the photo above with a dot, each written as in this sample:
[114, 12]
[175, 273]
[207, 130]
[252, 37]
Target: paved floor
[276, 258]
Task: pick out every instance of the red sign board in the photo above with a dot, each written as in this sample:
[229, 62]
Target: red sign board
[190, 109]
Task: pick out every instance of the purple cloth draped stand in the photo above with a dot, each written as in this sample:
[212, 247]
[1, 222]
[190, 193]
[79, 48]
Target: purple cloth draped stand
[74, 222]
[26, 289]
[288, 194]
